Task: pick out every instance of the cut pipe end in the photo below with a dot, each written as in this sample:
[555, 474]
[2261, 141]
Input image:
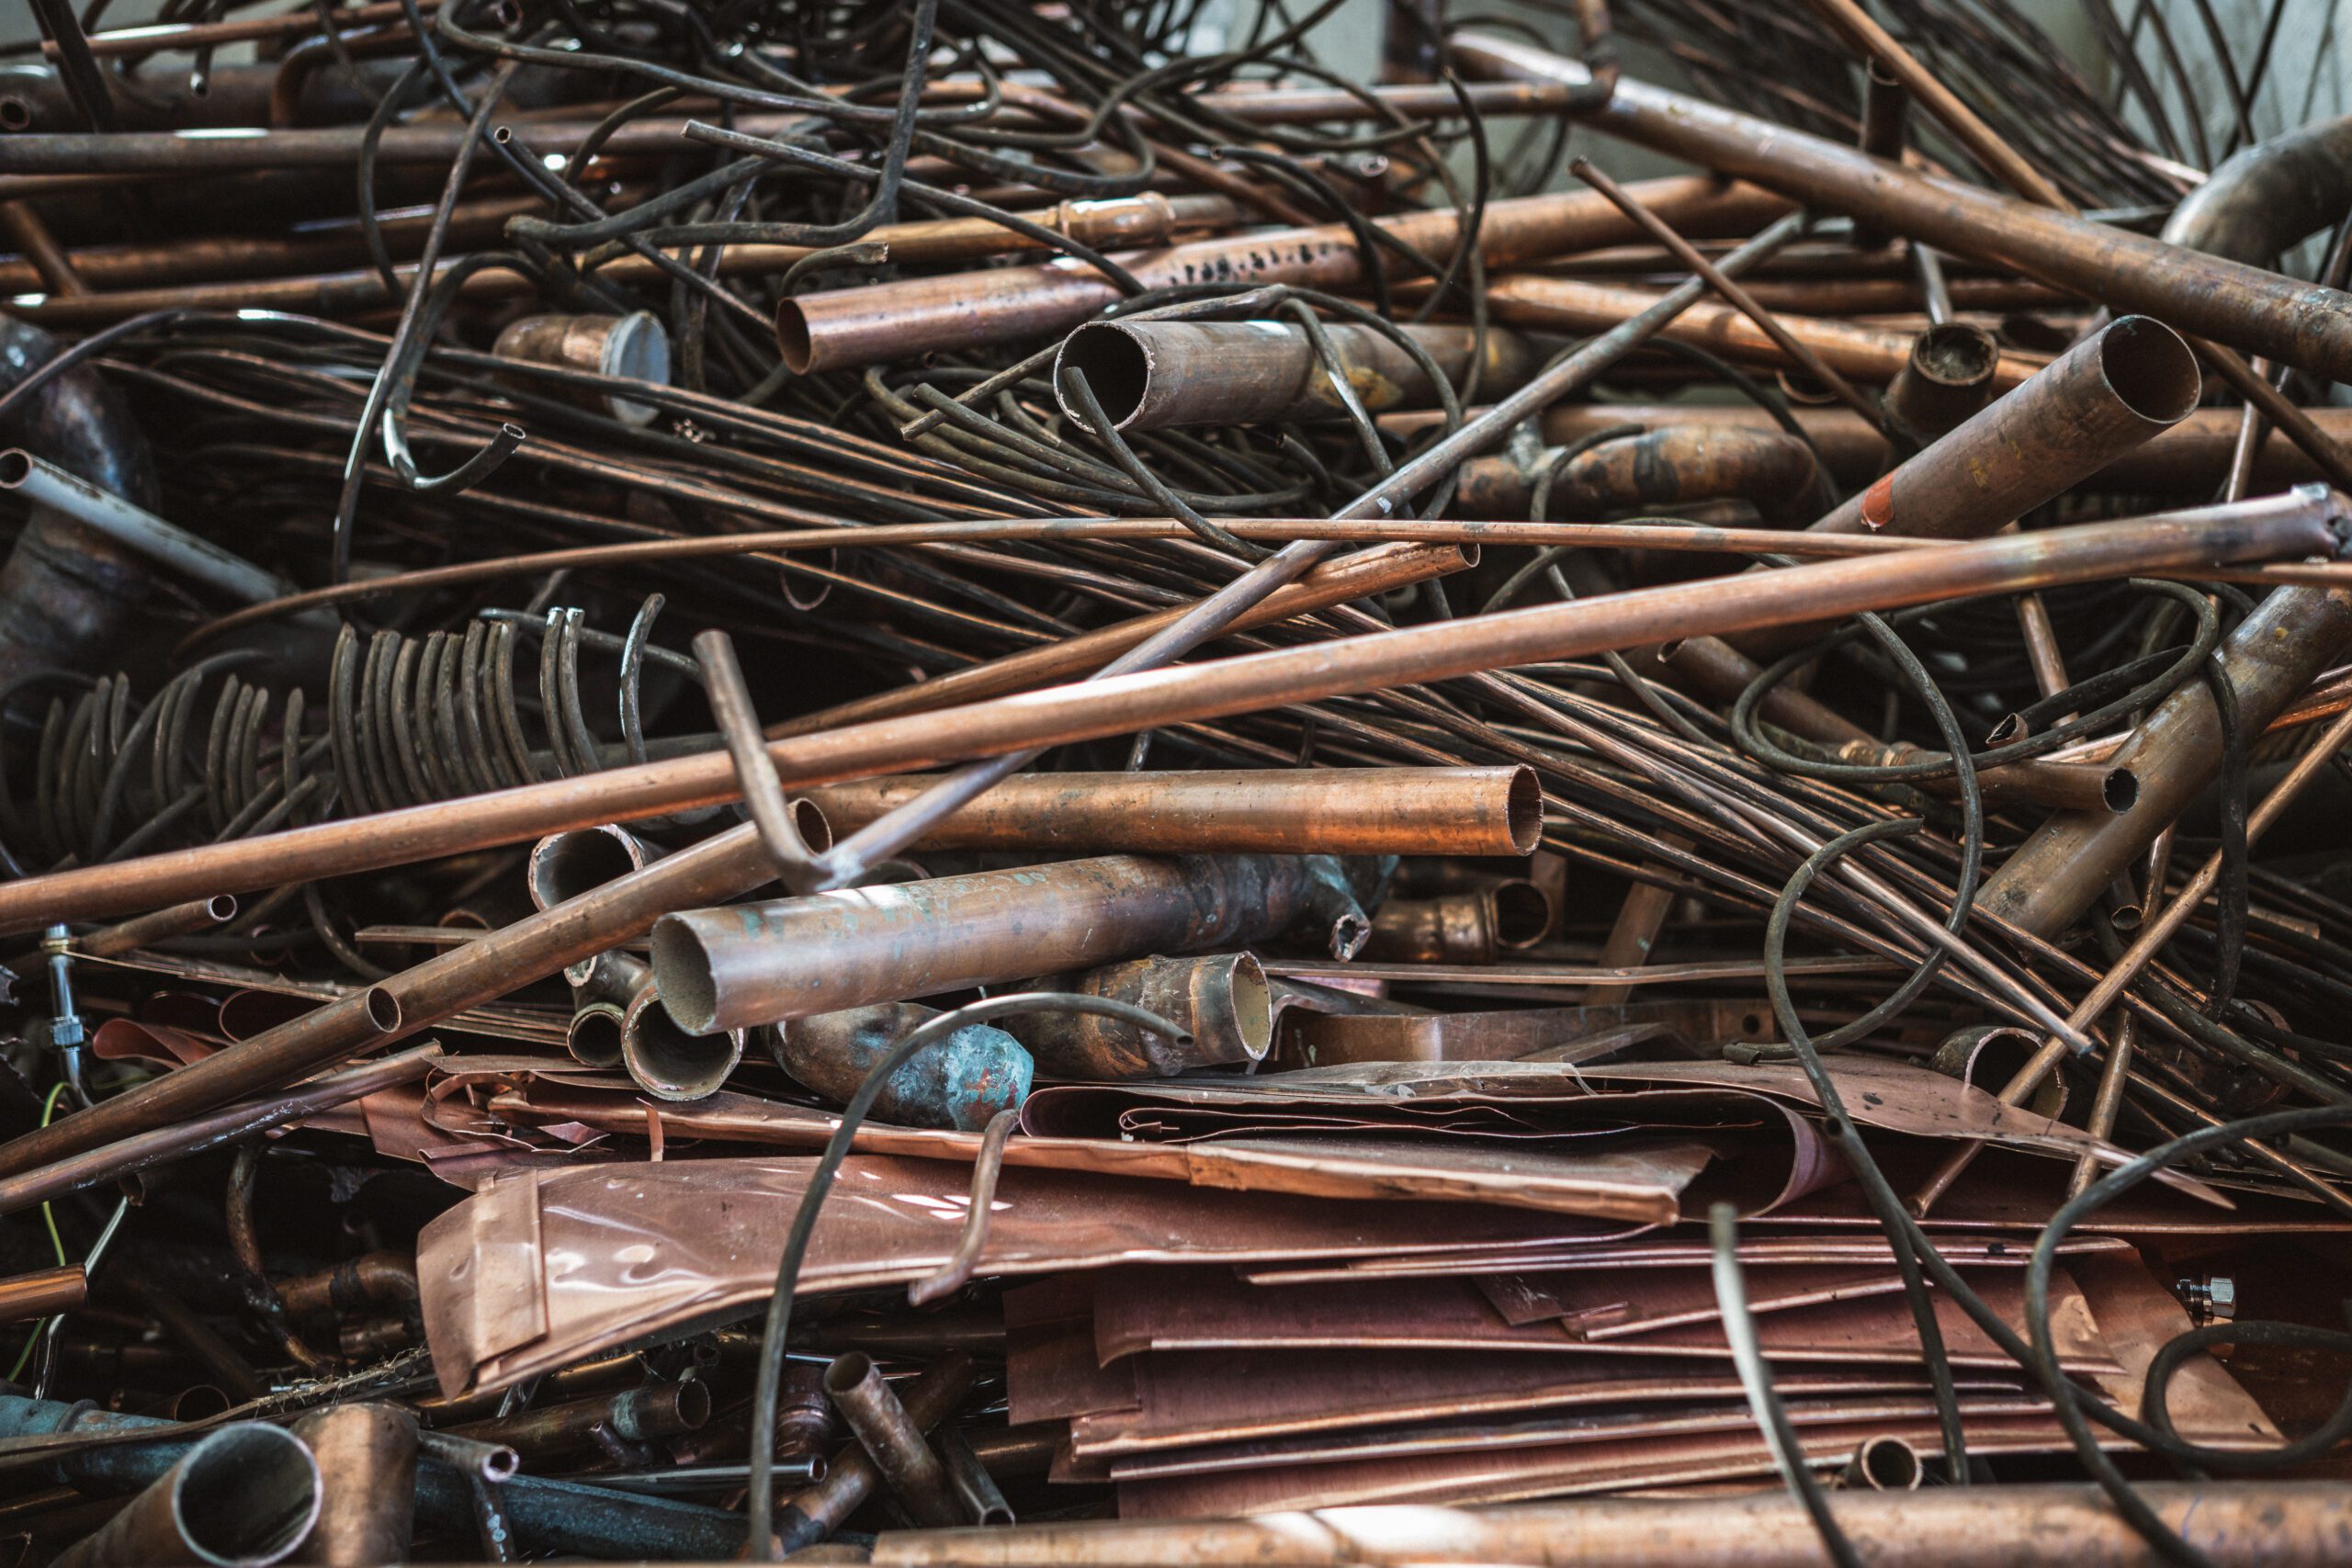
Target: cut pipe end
[666, 1061]
[15, 468]
[682, 972]
[2121, 790]
[791, 340]
[1116, 364]
[245, 1496]
[1523, 811]
[2150, 369]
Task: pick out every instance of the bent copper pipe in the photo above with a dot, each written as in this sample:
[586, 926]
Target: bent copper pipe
[893, 1440]
[1161, 374]
[244, 1497]
[367, 1458]
[1221, 1001]
[987, 1166]
[2198, 540]
[1673, 467]
[2248, 308]
[853, 1476]
[669, 1063]
[1864, 353]
[794, 958]
[372, 1279]
[1344, 811]
[842, 328]
[964, 1081]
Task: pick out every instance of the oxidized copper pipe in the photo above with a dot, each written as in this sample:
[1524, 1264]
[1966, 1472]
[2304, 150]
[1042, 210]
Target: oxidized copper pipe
[180, 919]
[2201, 539]
[1672, 466]
[1161, 375]
[2237, 1524]
[1948, 379]
[2248, 308]
[964, 1081]
[1886, 112]
[565, 865]
[737, 966]
[2070, 786]
[244, 1497]
[668, 1062]
[1458, 928]
[841, 327]
[1340, 811]
[45, 1292]
[927, 1398]
[978, 1497]
[637, 1416]
[1573, 305]
[1221, 1001]
[372, 1279]
[366, 1456]
[893, 1440]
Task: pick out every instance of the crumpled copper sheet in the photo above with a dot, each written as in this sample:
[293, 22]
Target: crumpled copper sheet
[538, 1269]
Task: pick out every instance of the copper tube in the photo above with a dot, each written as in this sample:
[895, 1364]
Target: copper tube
[2279, 528]
[45, 1292]
[964, 1081]
[1340, 811]
[1884, 1464]
[1357, 575]
[31, 237]
[372, 1279]
[841, 328]
[1458, 928]
[2237, 1524]
[1886, 113]
[2249, 308]
[977, 1497]
[634, 346]
[1948, 380]
[926, 1399]
[175, 1138]
[171, 36]
[594, 1035]
[1573, 305]
[668, 1062]
[366, 1456]
[2072, 786]
[1672, 466]
[1221, 1001]
[179, 919]
[2104, 396]
[244, 1498]
[737, 966]
[987, 1166]
[893, 1440]
[1161, 375]
[637, 1416]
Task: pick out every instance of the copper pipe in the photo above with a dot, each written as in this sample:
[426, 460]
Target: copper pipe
[31, 237]
[1948, 380]
[594, 1035]
[176, 1138]
[1341, 811]
[964, 1081]
[979, 1499]
[2249, 308]
[244, 1498]
[372, 1279]
[45, 1292]
[1884, 1464]
[813, 1514]
[893, 1440]
[564, 866]
[634, 347]
[180, 919]
[637, 1416]
[733, 967]
[1161, 374]
[366, 1456]
[1458, 928]
[1886, 113]
[668, 1062]
[1358, 575]
[2070, 786]
[1220, 1000]
[1665, 467]
[2202, 539]
[841, 328]
[2237, 1524]
[1574, 305]
[171, 36]
[988, 1164]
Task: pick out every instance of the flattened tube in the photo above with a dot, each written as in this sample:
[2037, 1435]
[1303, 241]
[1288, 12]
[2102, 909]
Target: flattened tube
[1340, 811]
[752, 964]
[1161, 375]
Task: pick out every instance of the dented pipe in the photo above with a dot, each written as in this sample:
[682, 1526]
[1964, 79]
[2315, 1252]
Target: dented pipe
[961, 1082]
[1674, 467]
[1221, 1001]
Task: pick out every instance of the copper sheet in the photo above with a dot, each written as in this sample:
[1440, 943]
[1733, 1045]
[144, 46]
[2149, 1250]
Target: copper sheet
[1309, 1037]
[1666, 1251]
[594, 1256]
[1202, 1309]
[1629, 1303]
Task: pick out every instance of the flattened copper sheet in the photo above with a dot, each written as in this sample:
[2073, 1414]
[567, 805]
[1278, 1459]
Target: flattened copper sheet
[1663, 1250]
[1631, 1302]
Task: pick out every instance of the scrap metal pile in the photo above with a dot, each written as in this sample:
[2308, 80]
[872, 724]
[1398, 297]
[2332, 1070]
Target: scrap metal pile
[794, 779]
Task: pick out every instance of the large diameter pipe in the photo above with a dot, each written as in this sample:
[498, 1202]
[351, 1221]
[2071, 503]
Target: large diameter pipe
[1574, 305]
[2236, 1524]
[1340, 811]
[841, 328]
[1161, 375]
[2100, 399]
[1221, 1001]
[963, 1081]
[2249, 308]
[367, 1455]
[740, 965]
[2200, 540]
[244, 1497]
[1672, 466]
